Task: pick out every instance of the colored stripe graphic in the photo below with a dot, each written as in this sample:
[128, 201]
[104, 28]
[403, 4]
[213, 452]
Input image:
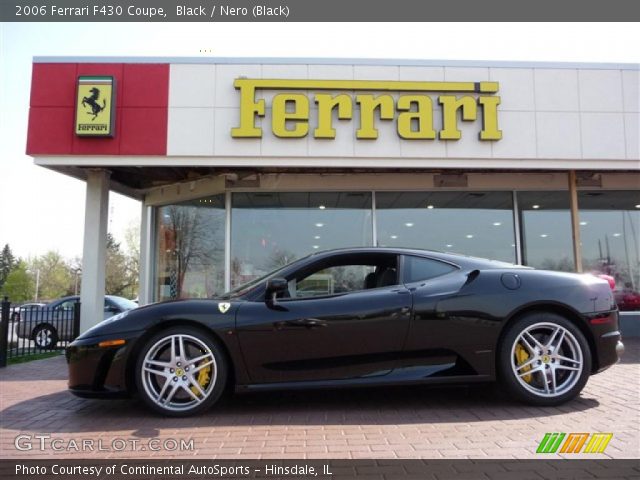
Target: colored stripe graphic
[550, 443]
[598, 442]
[574, 443]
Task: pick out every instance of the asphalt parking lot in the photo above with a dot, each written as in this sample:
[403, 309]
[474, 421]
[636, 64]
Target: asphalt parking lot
[402, 422]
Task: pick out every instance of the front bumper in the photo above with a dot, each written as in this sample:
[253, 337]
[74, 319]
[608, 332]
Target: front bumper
[99, 372]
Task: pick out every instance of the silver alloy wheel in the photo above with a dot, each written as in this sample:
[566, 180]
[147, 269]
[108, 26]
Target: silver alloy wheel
[170, 372]
[555, 360]
[43, 337]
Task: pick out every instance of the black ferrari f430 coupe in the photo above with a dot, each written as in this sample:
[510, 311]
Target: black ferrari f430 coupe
[359, 317]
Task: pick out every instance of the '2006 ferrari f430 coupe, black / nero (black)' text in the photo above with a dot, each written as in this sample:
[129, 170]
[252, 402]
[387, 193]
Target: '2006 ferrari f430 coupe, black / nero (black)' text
[359, 317]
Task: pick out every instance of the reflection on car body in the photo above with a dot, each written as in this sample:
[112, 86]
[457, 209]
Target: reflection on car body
[46, 324]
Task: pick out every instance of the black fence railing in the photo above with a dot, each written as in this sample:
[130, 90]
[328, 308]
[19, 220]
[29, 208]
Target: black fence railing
[31, 330]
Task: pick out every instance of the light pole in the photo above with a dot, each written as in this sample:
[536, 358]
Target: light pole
[77, 272]
[37, 284]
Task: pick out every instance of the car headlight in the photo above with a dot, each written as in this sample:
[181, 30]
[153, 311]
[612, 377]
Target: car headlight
[109, 320]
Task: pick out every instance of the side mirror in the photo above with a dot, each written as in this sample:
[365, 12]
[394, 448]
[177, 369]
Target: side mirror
[274, 287]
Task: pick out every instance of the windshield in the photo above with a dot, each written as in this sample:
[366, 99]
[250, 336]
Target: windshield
[245, 287]
[123, 303]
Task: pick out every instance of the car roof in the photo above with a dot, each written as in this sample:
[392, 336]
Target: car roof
[463, 261]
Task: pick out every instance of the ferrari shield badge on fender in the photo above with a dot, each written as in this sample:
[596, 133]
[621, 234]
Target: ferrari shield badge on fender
[223, 307]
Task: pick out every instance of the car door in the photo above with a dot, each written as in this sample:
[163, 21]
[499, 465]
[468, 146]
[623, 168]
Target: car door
[333, 327]
[445, 337]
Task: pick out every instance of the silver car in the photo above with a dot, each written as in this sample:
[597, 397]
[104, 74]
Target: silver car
[47, 325]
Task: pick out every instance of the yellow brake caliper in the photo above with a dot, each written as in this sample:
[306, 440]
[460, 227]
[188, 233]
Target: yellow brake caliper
[203, 378]
[522, 356]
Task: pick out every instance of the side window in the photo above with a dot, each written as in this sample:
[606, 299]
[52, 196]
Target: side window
[419, 268]
[339, 279]
[66, 306]
[344, 275]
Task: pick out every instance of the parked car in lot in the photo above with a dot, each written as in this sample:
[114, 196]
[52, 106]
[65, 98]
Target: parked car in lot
[392, 317]
[50, 323]
[15, 311]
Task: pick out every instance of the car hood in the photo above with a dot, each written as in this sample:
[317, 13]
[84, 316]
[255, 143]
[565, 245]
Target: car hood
[210, 312]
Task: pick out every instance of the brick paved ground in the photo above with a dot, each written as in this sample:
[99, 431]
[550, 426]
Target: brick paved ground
[423, 422]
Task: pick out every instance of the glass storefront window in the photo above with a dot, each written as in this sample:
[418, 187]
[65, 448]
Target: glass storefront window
[190, 249]
[545, 221]
[609, 232]
[472, 223]
[269, 230]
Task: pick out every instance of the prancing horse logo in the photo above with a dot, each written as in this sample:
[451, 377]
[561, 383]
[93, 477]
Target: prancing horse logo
[92, 101]
[223, 307]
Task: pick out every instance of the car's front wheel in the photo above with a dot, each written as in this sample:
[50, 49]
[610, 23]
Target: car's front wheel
[544, 359]
[181, 371]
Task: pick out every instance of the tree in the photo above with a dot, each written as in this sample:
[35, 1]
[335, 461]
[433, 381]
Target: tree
[132, 241]
[19, 285]
[188, 235]
[7, 263]
[116, 269]
[121, 270]
[56, 279]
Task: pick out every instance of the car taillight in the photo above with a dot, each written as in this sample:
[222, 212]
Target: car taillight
[608, 278]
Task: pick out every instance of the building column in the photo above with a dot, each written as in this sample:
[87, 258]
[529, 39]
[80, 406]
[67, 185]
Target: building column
[145, 294]
[94, 253]
[575, 220]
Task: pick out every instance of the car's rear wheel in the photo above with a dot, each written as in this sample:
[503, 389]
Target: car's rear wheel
[45, 337]
[544, 359]
[181, 371]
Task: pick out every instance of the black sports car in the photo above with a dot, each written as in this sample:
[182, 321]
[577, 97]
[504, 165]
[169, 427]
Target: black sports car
[360, 316]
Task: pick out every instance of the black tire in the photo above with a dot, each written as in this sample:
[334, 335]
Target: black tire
[45, 337]
[522, 389]
[150, 386]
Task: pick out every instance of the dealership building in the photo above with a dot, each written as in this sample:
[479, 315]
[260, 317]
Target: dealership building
[243, 165]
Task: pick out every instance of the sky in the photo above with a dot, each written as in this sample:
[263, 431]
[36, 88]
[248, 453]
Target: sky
[42, 210]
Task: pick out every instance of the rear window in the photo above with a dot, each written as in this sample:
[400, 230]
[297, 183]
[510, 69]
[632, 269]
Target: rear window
[417, 269]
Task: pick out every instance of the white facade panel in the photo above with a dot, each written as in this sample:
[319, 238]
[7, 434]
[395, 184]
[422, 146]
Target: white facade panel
[224, 144]
[192, 85]
[556, 90]
[516, 88]
[330, 72]
[190, 131]
[468, 146]
[285, 71]
[632, 133]
[226, 94]
[464, 74]
[631, 90]
[375, 72]
[600, 90]
[602, 135]
[518, 136]
[558, 135]
[428, 74]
